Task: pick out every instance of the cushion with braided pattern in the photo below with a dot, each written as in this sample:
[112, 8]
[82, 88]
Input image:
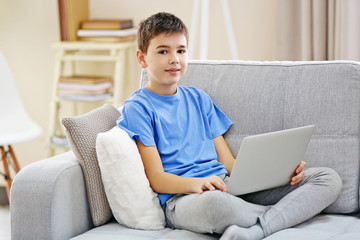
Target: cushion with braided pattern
[81, 131]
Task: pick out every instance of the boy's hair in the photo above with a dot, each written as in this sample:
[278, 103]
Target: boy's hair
[156, 24]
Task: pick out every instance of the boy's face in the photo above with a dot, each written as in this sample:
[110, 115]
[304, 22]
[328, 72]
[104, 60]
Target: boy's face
[165, 60]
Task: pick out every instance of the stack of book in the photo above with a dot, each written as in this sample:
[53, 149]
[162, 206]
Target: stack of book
[107, 30]
[85, 88]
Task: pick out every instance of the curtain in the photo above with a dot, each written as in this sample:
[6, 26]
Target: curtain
[318, 30]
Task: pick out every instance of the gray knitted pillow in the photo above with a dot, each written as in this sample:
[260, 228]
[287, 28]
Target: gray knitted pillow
[81, 132]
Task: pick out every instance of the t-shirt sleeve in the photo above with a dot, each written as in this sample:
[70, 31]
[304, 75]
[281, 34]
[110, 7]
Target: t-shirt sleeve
[136, 121]
[219, 123]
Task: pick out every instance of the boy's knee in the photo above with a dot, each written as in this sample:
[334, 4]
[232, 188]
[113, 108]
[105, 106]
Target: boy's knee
[333, 178]
[217, 218]
[327, 177]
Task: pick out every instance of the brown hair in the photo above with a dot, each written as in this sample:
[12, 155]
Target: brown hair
[156, 24]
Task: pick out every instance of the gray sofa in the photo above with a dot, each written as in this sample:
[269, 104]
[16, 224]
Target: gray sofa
[49, 197]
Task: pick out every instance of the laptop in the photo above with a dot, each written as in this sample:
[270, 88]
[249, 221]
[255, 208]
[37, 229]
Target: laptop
[268, 160]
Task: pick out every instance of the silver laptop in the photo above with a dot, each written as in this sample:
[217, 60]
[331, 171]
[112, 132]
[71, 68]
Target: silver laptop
[268, 160]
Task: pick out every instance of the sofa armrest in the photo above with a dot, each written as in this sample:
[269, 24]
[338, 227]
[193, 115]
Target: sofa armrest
[48, 200]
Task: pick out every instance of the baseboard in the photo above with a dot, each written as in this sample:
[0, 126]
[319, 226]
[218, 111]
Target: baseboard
[3, 196]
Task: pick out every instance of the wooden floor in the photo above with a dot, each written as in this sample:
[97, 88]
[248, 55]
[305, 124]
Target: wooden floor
[4, 222]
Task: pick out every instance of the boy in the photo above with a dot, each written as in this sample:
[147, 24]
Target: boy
[178, 131]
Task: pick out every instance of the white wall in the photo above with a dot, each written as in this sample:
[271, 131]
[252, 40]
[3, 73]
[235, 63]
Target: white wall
[28, 28]
[253, 21]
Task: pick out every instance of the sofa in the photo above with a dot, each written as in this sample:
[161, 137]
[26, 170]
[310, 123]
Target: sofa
[50, 198]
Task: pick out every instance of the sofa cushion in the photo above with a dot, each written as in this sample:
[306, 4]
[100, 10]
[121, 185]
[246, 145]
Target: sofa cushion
[81, 132]
[131, 199]
[321, 227]
[115, 231]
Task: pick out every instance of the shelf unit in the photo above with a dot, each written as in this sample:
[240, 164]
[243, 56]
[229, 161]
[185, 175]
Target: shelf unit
[68, 55]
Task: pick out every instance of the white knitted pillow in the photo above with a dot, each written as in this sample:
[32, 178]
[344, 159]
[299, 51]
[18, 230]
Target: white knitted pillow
[131, 199]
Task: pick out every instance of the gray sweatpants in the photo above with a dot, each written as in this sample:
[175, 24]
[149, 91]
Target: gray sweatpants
[275, 209]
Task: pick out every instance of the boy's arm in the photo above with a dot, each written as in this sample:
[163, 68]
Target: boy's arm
[224, 154]
[163, 182]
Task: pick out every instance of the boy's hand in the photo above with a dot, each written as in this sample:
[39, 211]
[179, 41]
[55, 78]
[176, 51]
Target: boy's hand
[298, 174]
[210, 184]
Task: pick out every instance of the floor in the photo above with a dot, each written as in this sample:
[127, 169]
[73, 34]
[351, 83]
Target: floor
[4, 222]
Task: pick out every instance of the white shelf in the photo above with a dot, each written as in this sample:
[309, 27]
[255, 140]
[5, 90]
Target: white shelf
[82, 51]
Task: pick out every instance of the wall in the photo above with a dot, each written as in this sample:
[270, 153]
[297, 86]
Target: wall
[253, 21]
[28, 28]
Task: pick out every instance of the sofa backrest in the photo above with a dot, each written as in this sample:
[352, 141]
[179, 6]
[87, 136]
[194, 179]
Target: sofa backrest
[261, 97]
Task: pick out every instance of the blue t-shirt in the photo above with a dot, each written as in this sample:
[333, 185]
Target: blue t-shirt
[182, 128]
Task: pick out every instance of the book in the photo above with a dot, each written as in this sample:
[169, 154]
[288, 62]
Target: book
[108, 39]
[89, 98]
[107, 33]
[107, 24]
[71, 14]
[68, 92]
[85, 79]
[84, 87]
[62, 21]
